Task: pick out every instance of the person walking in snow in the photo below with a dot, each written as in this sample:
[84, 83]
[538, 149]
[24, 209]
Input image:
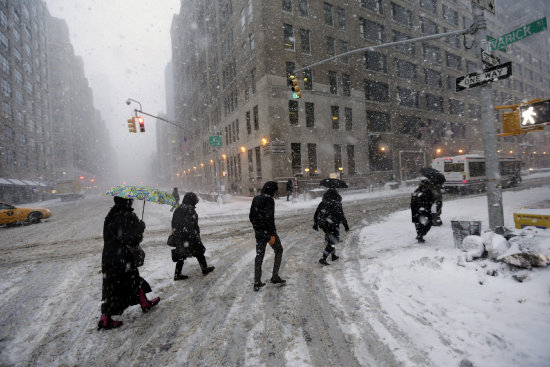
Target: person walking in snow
[421, 209]
[185, 227]
[262, 217]
[438, 199]
[122, 284]
[328, 216]
[177, 197]
[288, 189]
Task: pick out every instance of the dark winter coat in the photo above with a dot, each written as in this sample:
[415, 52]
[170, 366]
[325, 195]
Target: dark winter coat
[330, 214]
[421, 203]
[262, 212]
[185, 224]
[122, 227]
[289, 186]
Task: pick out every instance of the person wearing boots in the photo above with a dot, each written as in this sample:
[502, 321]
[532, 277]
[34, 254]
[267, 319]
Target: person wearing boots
[185, 227]
[421, 209]
[262, 217]
[177, 197]
[288, 189]
[122, 284]
[328, 216]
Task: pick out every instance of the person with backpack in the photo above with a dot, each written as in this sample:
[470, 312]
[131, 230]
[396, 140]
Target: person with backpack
[187, 234]
[262, 217]
[328, 216]
[421, 209]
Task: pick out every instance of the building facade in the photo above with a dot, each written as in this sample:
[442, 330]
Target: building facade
[370, 117]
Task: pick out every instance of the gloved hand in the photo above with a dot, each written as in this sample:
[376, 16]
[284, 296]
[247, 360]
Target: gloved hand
[315, 227]
[346, 227]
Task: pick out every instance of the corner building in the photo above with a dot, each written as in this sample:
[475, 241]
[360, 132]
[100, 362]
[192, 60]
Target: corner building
[370, 118]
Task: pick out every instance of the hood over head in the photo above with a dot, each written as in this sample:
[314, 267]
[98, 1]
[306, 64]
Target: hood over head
[120, 201]
[190, 198]
[270, 188]
[332, 195]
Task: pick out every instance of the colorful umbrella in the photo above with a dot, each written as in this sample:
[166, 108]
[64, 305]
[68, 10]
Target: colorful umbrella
[143, 193]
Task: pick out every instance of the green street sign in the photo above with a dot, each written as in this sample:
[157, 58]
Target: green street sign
[215, 141]
[517, 34]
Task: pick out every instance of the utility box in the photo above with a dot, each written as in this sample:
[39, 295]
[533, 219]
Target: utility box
[539, 218]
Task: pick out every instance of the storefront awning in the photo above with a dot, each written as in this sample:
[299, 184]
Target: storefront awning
[30, 183]
[17, 182]
[5, 182]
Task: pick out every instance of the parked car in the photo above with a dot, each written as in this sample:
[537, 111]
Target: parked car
[10, 214]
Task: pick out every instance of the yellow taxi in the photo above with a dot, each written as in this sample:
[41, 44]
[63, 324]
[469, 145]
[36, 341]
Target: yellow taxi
[10, 214]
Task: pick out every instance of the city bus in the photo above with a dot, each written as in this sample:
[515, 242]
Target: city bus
[466, 173]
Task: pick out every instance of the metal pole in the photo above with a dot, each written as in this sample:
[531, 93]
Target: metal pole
[494, 188]
[218, 183]
[400, 170]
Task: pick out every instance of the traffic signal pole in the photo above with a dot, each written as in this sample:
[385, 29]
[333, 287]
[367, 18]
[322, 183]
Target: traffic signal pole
[488, 123]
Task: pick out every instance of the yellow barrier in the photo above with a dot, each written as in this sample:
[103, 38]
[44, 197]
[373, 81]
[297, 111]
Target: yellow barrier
[539, 218]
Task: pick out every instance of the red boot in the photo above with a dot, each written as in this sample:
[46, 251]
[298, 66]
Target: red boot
[106, 322]
[146, 305]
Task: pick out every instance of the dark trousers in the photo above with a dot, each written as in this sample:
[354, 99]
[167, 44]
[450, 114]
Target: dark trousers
[331, 239]
[260, 252]
[200, 258]
[422, 229]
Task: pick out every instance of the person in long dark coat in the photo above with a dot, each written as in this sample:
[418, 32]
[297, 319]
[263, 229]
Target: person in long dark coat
[177, 197]
[185, 227]
[122, 284]
[328, 216]
[262, 217]
[438, 199]
[421, 209]
[288, 189]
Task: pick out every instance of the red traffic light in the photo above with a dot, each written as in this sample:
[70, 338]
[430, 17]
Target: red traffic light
[141, 123]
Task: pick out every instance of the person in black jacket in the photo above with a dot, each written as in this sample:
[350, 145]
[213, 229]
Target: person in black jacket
[328, 216]
[177, 197]
[185, 226]
[421, 209]
[262, 217]
[122, 284]
[288, 189]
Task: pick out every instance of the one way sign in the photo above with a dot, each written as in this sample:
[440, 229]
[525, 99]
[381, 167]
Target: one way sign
[492, 74]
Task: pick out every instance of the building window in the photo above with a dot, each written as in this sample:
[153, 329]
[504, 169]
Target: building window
[450, 15]
[296, 158]
[244, 51]
[351, 159]
[371, 30]
[405, 69]
[348, 116]
[373, 5]
[308, 79]
[328, 14]
[431, 53]
[310, 114]
[434, 103]
[290, 67]
[288, 34]
[475, 111]
[287, 5]
[432, 78]
[429, 5]
[401, 15]
[471, 66]
[453, 40]
[253, 80]
[248, 125]
[341, 18]
[258, 163]
[293, 112]
[377, 91]
[343, 50]
[456, 107]
[243, 20]
[333, 80]
[312, 157]
[305, 35]
[378, 121]
[453, 61]
[4, 45]
[411, 125]
[252, 46]
[256, 119]
[458, 129]
[250, 11]
[335, 117]
[245, 88]
[303, 8]
[407, 48]
[428, 27]
[375, 61]
[250, 163]
[330, 46]
[407, 97]
[346, 85]
[337, 157]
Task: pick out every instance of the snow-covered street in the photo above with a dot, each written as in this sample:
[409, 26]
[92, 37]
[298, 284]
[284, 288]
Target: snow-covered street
[388, 301]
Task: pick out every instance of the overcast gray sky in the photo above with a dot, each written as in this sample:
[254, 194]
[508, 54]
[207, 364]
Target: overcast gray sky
[125, 45]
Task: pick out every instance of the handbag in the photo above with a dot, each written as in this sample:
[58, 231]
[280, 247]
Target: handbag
[172, 242]
[138, 255]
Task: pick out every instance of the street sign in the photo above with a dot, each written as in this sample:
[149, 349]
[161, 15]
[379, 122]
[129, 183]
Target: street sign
[486, 4]
[488, 75]
[488, 59]
[518, 34]
[215, 141]
[276, 147]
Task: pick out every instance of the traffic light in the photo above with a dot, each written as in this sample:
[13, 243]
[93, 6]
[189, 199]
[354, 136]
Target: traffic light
[132, 125]
[295, 87]
[533, 114]
[141, 123]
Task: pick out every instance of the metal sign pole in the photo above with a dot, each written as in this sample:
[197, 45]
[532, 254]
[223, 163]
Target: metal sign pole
[494, 188]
